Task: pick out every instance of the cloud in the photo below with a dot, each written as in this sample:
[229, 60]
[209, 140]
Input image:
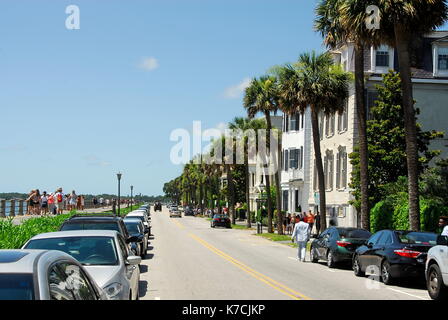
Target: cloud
[149, 64]
[235, 91]
[93, 160]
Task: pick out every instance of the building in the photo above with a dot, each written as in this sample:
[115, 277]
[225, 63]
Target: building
[339, 132]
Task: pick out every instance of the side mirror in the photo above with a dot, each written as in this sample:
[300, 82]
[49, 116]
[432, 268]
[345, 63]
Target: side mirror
[133, 260]
[132, 239]
[369, 245]
[442, 241]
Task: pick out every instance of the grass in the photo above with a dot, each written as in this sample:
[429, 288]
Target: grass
[277, 238]
[15, 236]
[241, 227]
[125, 211]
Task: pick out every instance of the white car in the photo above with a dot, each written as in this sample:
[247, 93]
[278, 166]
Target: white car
[103, 253]
[437, 269]
[139, 215]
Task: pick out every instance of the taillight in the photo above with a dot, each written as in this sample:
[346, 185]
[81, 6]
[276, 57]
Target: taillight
[343, 243]
[407, 253]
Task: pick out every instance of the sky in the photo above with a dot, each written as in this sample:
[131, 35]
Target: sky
[77, 106]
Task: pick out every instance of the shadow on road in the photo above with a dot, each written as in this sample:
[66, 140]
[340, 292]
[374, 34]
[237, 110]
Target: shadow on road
[142, 288]
[143, 268]
[150, 248]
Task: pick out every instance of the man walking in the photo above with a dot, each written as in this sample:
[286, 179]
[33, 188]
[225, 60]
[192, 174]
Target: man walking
[301, 235]
[59, 201]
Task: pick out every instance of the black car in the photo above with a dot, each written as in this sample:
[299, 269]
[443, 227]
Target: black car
[337, 244]
[394, 254]
[157, 206]
[96, 222]
[136, 229]
[188, 211]
[220, 220]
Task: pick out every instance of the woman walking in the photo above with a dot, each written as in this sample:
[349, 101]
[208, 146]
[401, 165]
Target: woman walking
[36, 202]
[72, 201]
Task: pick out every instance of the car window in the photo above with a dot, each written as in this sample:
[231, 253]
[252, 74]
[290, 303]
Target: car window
[87, 250]
[16, 286]
[323, 234]
[91, 226]
[59, 289]
[123, 247]
[375, 238]
[417, 237]
[386, 239]
[133, 227]
[78, 282]
[354, 233]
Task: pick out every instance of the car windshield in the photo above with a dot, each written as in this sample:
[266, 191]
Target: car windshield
[133, 227]
[142, 218]
[417, 237]
[354, 233]
[91, 226]
[16, 286]
[89, 251]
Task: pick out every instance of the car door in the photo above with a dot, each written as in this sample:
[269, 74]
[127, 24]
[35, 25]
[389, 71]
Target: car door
[380, 248]
[320, 243]
[131, 272]
[366, 258]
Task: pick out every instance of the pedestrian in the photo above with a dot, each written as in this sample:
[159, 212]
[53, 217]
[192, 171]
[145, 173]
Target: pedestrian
[44, 203]
[443, 225]
[72, 201]
[36, 200]
[95, 202]
[311, 220]
[332, 223]
[82, 202]
[30, 202]
[317, 221]
[59, 201]
[78, 203]
[102, 202]
[51, 206]
[301, 235]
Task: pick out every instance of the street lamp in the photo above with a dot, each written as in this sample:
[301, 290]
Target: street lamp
[261, 187]
[119, 174]
[132, 188]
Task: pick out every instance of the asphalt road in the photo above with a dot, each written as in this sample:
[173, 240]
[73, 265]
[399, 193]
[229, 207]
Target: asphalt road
[188, 260]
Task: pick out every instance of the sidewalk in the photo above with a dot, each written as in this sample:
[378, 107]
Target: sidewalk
[19, 219]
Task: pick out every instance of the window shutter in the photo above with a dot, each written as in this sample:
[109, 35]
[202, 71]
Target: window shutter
[286, 160]
[338, 170]
[297, 121]
[344, 169]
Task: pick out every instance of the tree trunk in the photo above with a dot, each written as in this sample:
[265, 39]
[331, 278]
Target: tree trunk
[362, 132]
[231, 193]
[268, 180]
[402, 41]
[278, 187]
[246, 177]
[320, 169]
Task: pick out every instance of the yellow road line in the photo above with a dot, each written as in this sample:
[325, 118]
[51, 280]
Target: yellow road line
[177, 223]
[270, 282]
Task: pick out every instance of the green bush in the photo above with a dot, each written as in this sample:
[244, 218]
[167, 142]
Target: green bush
[430, 211]
[381, 215]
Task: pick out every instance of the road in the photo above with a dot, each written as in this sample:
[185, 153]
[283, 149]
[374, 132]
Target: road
[188, 260]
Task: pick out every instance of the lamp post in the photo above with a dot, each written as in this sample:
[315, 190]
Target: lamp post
[119, 174]
[132, 188]
[261, 187]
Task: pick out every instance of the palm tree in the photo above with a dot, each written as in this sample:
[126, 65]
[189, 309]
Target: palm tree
[262, 96]
[314, 82]
[337, 26]
[245, 124]
[402, 21]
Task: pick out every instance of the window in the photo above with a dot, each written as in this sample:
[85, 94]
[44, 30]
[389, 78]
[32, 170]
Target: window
[321, 126]
[386, 239]
[78, 282]
[297, 200]
[58, 286]
[293, 158]
[375, 238]
[343, 119]
[293, 122]
[443, 59]
[328, 169]
[382, 57]
[285, 200]
[341, 168]
[286, 162]
[16, 286]
[329, 125]
[123, 247]
[371, 97]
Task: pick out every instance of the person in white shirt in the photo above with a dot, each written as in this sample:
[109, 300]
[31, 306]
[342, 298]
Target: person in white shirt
[59, 201]
[443, 224]
[301, 235]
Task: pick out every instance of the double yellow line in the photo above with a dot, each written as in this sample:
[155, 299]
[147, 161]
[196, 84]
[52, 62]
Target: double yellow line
[270, 282]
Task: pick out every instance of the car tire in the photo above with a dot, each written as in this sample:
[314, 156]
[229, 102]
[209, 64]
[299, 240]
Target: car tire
[386, 278]
[434, 283]
[357, 267]
[330, 260]
[313, 257]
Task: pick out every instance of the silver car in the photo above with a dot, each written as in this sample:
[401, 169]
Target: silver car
[103, 253]
[45, 275]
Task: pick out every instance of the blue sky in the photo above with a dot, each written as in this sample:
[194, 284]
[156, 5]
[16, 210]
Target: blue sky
[79, 105]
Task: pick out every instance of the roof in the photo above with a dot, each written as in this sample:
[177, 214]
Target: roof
[23, 261]
[94, 217]
[135, 214]
[76, 233]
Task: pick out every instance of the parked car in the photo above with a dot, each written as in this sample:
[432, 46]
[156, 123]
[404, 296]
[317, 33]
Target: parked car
[336, 245]
[45, 275]
[95, 222]
[103, 254]
[142, 216]
[157, 206]
[394, 254]
[220, 220]
[137, 229]
[437, 270]
[188, 211]
[175, 213]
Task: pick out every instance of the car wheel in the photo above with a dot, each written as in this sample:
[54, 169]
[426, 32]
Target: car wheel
[330, 259]
[313, 256]
[386, 278]
[435, 285]
[357, 267]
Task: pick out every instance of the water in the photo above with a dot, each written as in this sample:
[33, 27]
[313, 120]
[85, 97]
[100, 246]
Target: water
[8, 207]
